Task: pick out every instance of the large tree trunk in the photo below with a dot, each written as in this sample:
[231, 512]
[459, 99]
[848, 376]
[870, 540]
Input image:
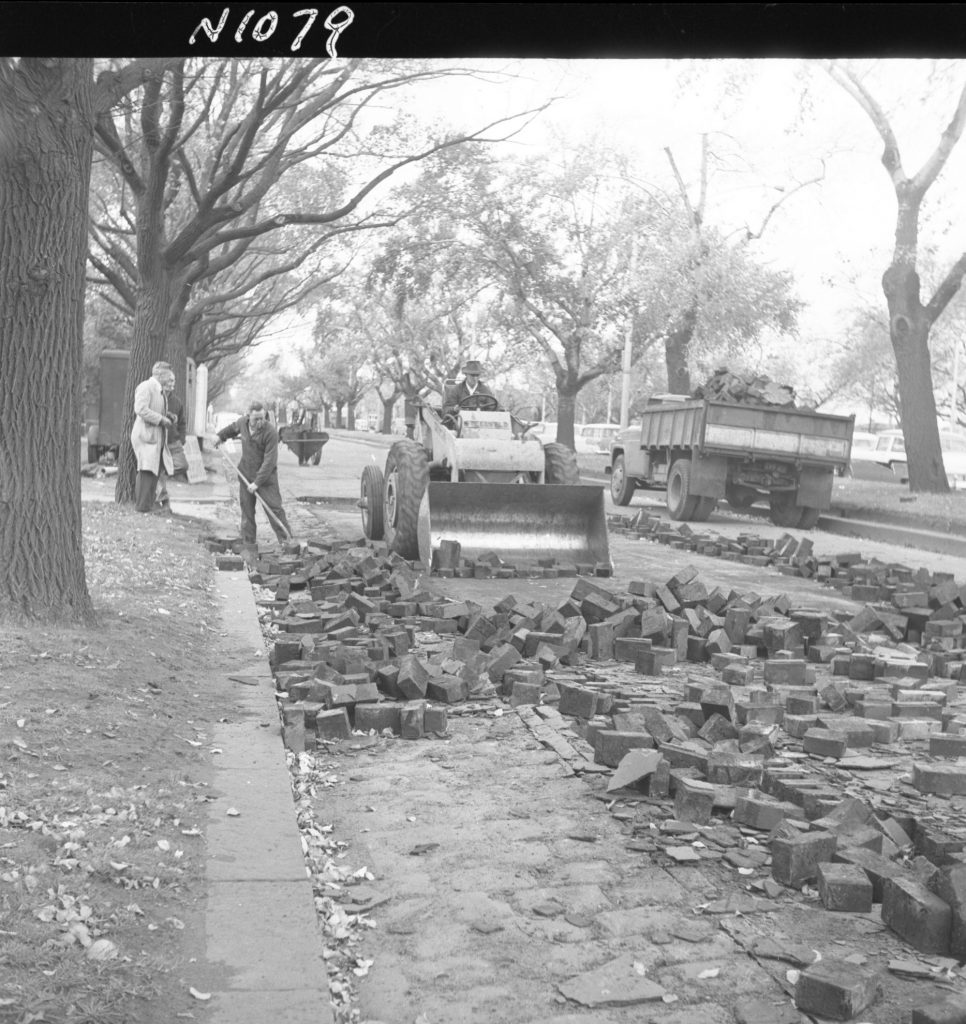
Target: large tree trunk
[46, 144]
[566, 410]
[909, 330]
[677, 347]
[388, 405]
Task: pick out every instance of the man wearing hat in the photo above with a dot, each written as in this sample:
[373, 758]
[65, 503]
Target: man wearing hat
[471, 387]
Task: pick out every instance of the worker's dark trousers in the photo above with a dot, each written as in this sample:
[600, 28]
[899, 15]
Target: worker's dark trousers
[273, 499]
[145, 489]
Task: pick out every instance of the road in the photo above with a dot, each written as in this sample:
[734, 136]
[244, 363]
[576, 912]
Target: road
[334, 483]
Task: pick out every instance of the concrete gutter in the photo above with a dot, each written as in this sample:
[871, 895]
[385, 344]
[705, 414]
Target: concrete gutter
[904, 536]
[263, 941]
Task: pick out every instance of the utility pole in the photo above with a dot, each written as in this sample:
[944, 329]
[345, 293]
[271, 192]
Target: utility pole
[954, 400]
[626, 367]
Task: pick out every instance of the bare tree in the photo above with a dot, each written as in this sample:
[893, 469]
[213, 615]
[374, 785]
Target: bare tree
[208, 159]
[910, 318]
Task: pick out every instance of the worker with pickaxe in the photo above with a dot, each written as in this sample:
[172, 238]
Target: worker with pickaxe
[257, 472]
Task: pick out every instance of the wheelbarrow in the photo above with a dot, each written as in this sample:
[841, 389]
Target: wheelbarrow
[305, 444]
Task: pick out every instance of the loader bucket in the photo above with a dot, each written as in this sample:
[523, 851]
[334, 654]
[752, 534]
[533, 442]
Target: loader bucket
[521, 523]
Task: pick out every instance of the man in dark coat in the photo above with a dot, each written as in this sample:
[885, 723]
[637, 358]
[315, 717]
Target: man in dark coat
[471, 393]
[259, 466]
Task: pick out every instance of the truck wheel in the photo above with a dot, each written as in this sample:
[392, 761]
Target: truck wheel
[621, 485]
[740, 497]
[371, 502]
[560, 465]
[681, 503]
[703, 509]
[407, 473]
[809, 518]
[784, 511]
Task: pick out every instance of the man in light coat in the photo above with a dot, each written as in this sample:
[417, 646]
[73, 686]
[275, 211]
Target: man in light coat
[149, 434]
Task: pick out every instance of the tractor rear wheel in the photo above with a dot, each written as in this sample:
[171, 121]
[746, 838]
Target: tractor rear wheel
[371, 502]
[621, 485]
[407, 474]
[560, 465]
[681, 503]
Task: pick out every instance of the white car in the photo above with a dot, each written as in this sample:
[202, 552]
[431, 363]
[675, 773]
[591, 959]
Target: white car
[594, 438]
[889, 457]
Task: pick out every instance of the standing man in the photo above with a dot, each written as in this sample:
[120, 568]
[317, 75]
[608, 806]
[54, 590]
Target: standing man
[149, 434]
[175, 438]
[259, 466]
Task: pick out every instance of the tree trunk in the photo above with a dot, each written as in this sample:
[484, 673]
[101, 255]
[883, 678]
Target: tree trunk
[350, 417]
[909, 330]
[566, 408]
[388, 405]
[677, 347]
[46, 130]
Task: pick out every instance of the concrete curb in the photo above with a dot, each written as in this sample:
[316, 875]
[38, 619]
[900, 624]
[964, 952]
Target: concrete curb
[922, 540]
[261, 928]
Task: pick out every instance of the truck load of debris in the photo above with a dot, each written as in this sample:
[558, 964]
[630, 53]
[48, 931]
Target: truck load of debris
[749, 389]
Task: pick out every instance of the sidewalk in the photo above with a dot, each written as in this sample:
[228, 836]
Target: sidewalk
[263, 947]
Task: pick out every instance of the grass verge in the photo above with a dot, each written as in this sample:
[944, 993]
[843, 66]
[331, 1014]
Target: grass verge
[102, 785]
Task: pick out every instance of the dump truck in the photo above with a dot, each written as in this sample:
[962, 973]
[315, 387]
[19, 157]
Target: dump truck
[479, 479]
[703, 450]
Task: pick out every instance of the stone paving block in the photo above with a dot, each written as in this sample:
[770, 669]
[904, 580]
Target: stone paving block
[451, 690]
[435, 720]
[411, 717]
[917, 728]
[879, 869]
[917, 915]
[947, 780]
[757, 811]
[577, 701]
[332, 724]
[943, 745]
[951, 1010]
[378, 717]
[693, 801]
[884, 732]
[610, 746]
[797, 725]
[950, 886]
[844, 887]
[795, 860]
[836, 990]
[521, 692]
[824, 743]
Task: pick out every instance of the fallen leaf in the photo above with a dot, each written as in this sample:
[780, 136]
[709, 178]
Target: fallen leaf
[203, 996]
[233, 813]
[102, 949]
[711, 972]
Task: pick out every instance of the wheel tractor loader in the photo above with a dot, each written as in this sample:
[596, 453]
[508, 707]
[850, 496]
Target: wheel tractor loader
[477, 478]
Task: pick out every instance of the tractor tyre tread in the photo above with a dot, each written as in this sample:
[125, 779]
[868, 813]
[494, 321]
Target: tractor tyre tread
[409, 460]
[560, 465]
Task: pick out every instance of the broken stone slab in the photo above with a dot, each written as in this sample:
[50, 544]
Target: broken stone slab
[615, 983]
[634, 766]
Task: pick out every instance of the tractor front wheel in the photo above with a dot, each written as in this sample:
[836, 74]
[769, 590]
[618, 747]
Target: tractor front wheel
[406, 477]
[371, 502]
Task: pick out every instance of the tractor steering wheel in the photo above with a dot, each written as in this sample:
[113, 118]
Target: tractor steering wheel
[484, 403]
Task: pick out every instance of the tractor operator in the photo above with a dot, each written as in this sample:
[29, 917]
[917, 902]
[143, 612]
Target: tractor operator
[471, 392]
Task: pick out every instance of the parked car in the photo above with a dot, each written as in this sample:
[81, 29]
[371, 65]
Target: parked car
[594, 438]
[888, 459]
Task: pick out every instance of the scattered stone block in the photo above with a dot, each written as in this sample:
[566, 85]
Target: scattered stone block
[824, 743]
[947, 780]
[950, 886]
[844, 887]
[378, 717]
[917, 915]
[332, 724]
[610, 746]
[951, 1010]
[836, 990]
[693, 801]
[795, 860]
